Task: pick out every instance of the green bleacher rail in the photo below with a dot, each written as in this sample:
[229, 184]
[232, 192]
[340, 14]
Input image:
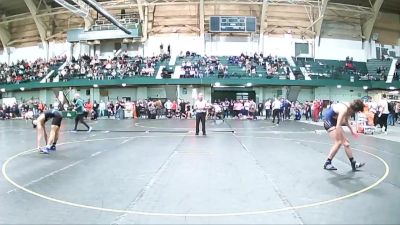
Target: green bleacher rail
[194, 81]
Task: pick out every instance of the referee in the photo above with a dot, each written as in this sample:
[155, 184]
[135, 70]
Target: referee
[201, 108]
[80, 113]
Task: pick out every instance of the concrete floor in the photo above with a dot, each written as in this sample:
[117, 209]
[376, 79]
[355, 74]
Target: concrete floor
[153, 172]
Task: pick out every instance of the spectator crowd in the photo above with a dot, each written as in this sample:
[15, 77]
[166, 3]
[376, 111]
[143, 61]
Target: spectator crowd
[24, 70]
[120, 67]
[195, 66]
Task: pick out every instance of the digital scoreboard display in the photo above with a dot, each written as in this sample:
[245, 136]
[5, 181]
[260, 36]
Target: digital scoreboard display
[232, 24]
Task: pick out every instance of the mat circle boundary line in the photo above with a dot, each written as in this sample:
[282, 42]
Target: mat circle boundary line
[143, 213]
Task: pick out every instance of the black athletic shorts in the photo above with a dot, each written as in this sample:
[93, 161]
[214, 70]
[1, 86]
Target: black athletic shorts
[56, 115]
[329, 124]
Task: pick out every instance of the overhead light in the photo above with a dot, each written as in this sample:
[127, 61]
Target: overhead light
[22, 88]
[217, 84]
[392, 88]
[123, 85]
[95, 85]
[365, 87]
[249, 84]
[3, 90]
[339, 86]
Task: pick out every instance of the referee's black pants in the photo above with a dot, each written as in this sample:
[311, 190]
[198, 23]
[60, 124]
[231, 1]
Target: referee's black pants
[201, 117]
[79, 118]
[276, 113]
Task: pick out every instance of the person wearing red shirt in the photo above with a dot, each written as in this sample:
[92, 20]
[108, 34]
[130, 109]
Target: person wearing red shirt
[174, 108]
[316, 107]
[88, 108]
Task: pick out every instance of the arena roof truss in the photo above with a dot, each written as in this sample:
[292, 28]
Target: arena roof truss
[46, 20]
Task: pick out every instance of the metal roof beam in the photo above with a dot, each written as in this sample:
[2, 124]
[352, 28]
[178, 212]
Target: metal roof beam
[42, 29]
[368, 26]
[5, 38]
[83, 10]
[109, 5]
[322, 9]
[140, 9]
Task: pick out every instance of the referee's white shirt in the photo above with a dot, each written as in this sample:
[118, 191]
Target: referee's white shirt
[200, 106]
[276, 105]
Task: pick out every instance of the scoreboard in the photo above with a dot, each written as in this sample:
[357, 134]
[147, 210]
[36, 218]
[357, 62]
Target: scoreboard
[232, 24]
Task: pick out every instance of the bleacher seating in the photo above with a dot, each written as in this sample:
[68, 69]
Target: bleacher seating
[23, 71]
[232, 69]
[373, 66]
[133, 67]
[331, 69]
[225, 67]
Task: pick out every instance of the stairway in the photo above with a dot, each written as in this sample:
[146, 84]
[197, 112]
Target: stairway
[391, 71]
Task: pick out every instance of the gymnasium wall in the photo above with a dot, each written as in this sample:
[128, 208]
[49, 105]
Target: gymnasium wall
[33, 52]
[188, 93]
[338, 49]
[339, 94]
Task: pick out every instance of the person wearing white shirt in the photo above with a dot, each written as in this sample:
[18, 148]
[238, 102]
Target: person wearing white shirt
[246, 108]
[383, 112]
[168, 107]
[201, 109]
[276, 108]
[102, 108]
[373, 107]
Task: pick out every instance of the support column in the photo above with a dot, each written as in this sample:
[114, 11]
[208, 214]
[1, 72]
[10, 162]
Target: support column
[202, 29]
[145, 23]
[263, 26]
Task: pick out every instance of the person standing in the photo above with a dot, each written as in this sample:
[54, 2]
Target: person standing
[110, 108]
[88, 109]
[246, 110]
[308, 110]
[373, 107]
[276, 110]
[201, 109]
[252, 110]
[182, 111]
[95, 110]
[260, 108]
[225, 107]
[383, 112]
[102, 108]
[316, 107]
[268, 109]
[161, 49]
[336, 116]
[80, 113]
[397, 112]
